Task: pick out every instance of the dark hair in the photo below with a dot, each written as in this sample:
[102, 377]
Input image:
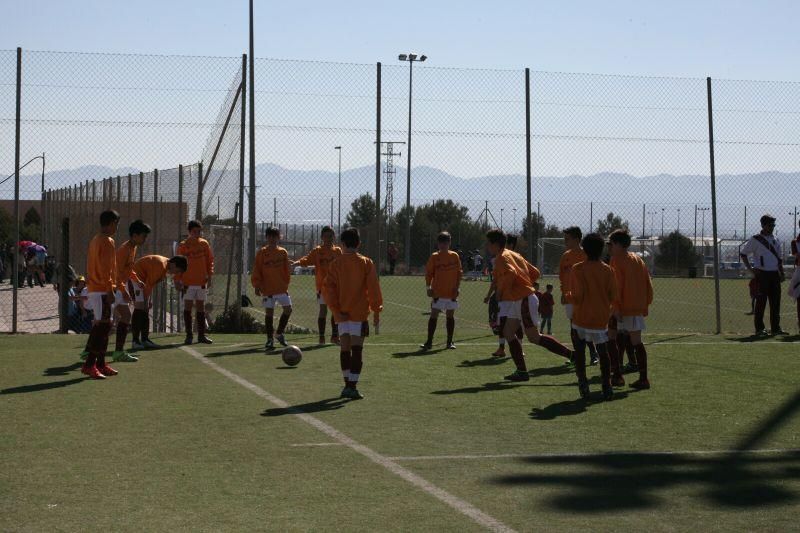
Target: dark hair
[549, 286]
[444, 237]
[180, 261]
[593, 245]
[766, 219]
[272, 231]
[138, 227]
[108, 217]
[350, 238]
[496, 236]
[194, 224]
[621, 237]
[511, 241]
[327, 229]
[574, 232]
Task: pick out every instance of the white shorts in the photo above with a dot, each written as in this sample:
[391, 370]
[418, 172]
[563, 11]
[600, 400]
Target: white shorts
[354, 329]
[195, 293]
[631, 323]
[269, 302]
[118, 299]
[597, 336]
[513, 309]
[568, 311]
[444, 304]
[94, 303]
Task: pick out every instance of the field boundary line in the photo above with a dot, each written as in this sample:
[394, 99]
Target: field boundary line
[721, 453]
[429, 488]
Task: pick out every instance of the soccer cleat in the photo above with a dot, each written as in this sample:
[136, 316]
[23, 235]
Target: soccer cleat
[344, 392]
[518, 375]
[779, 331]
[640, 384]
[618, 381]
[123, 357]
[188, 340]
[92, 372]
[150, 344]
[269, 345]
[107, 371]
[583, 389]
[451, 346]
[629, 368]
[762, 333]
[202, 339]
[426, 346]
[321, 340]
[608, 392]
[352, 393]
[84, 355]
[137, 346]
[500, 352]
[594, 360]
[281, 339]
[335, 339]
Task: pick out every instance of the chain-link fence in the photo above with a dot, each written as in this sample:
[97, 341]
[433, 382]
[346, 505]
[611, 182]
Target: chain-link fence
[531, 152]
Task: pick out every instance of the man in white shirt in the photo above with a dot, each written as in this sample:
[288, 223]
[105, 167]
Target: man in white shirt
[767, 268]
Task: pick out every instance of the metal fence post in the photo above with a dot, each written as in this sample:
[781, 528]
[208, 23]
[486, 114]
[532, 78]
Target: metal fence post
[240, 218]
[16, 194]
[63, 281]
[713, 203]
[529, 237]
[378, 210]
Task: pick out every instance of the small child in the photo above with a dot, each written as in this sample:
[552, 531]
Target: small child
[753, 286]
[546, 304]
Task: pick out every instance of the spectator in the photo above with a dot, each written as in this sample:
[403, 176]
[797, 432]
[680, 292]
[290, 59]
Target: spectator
[546, 304]
[767, 269]
[80, 318]
[392, 252]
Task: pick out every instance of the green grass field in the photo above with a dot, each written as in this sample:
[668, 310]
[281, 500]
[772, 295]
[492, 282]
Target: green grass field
[226, 437]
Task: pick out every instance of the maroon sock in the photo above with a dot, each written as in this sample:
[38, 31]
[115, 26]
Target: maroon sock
[105, 331]
[122, 334]
[641, 360]
[356, 364]
[573, 336]
[137, 324]
[282, 321]
[516, 354]
[321, 325]
[605, 364]
[451, 327]
[269, 327]
[187, 322]
[431, 329]
[629, 350]
[551, 344]
[146, 326]
[580, 360]
[519, 333]
[334, 328]
[201, 324]
[95, 344]
[344, 362]
[613, 357]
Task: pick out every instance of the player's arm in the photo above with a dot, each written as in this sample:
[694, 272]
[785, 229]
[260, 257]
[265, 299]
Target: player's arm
[430, 273]
[575, 293]
[744, 254]
[309, 259]
[285, 270]
[503, 276]
[533, 272]
[209, 262]
[649, 285]
[331, 291]
[255, 273]
[374, 294]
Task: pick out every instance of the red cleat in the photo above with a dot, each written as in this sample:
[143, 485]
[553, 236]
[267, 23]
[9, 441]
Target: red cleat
[107, 371]
[92, 372]
[499, 353]
[640, 384]
[618, 381]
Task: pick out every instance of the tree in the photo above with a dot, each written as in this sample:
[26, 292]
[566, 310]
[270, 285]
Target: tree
[6, 228]
[32, 218]
[612, 222]
[676, 252]
[362, 212]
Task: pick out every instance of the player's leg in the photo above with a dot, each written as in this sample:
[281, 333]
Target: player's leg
[101, 346]
[94, 345]
[200, 303]
[269, 313]
[139, 324]
[593, 358]
[530, 312]
[432, 320]
[513, 321]
[774, 296]
[286, 312]
[580, 362]
[322, 318]
[450, 321]
[501, 349]
[356, 366]
[617, 380]
[761, 303]
[641, 360]
[122, 317]
[345, 355]
[188, 306]
[605, 368]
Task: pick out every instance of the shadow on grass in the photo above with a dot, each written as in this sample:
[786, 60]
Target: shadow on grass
[486, 387]
[560, 370]
[417, 353]
[573, 407]
[62, 370]
[42, 386]
[670, 339]
[750, 338]
[489, 361]
[331, 404]
[244, 351]
[741, 478]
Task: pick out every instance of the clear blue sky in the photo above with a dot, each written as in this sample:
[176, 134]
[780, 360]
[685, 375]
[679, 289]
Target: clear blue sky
[721, 38]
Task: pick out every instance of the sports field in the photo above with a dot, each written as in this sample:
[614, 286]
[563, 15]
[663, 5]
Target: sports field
[225, 437]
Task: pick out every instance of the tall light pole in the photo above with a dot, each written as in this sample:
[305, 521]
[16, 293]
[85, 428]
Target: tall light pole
[662, 222]
[251, 211]
[679, 220]
[652, 221]
[795, 221]
[515, 220]
[339, 149]
[703, 228]
[410, 58]
[502, 227]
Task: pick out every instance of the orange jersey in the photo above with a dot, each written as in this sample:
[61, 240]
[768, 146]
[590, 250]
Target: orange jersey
[443, 274]
[320, 257]
[635, 285]
[270, 273]
[533, 272]
[126, 257]
[593, 290]
[512, 276]
[568, 260]
[101, 264]
[201, 261]
[352, 287]
[151, 269]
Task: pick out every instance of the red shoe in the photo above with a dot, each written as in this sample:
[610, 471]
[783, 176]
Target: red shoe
[640, 384]
[92, 372]
[499, 353]
[617, 380]
[107, 371]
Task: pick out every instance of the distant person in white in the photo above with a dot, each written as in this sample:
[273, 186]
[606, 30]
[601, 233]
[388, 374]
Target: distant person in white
[767, 268]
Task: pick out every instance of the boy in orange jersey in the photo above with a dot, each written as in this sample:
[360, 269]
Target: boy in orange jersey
[572, 256]
[101, 273]
[195, 281]
[635, 297]
[352, 290]
[321, 257]
[514, 278]
[270, 278]
[491, 299]
[443, 279]
[127, 280]
[593, 289]
[150, 270]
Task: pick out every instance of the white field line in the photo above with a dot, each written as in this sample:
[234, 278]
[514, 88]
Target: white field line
[724, 308]
[699, 453]
[648, 344]
[429, 488]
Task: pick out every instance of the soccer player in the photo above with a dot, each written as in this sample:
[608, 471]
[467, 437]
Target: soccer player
[514, 278]
[635, 296]
[546, 304]
[496, 317]
[194, 283]
[150, 270]
[127, 281]
[443, 280]
[572, 256]
[593, 290]
[270, 279]
[321, 257]
[352, 291]
[101, 271]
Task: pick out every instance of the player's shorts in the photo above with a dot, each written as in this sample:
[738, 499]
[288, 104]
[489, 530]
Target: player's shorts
[118, 298]
[195, 293]
[597, 336]
[568, 311]
[40, 259]
[321, 299]
[269, 302]
[444, 304]
[354, 329]
[632, 323]
[99, 303]
[526, 310]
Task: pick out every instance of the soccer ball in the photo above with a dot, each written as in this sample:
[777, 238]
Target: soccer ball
[292, 355]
